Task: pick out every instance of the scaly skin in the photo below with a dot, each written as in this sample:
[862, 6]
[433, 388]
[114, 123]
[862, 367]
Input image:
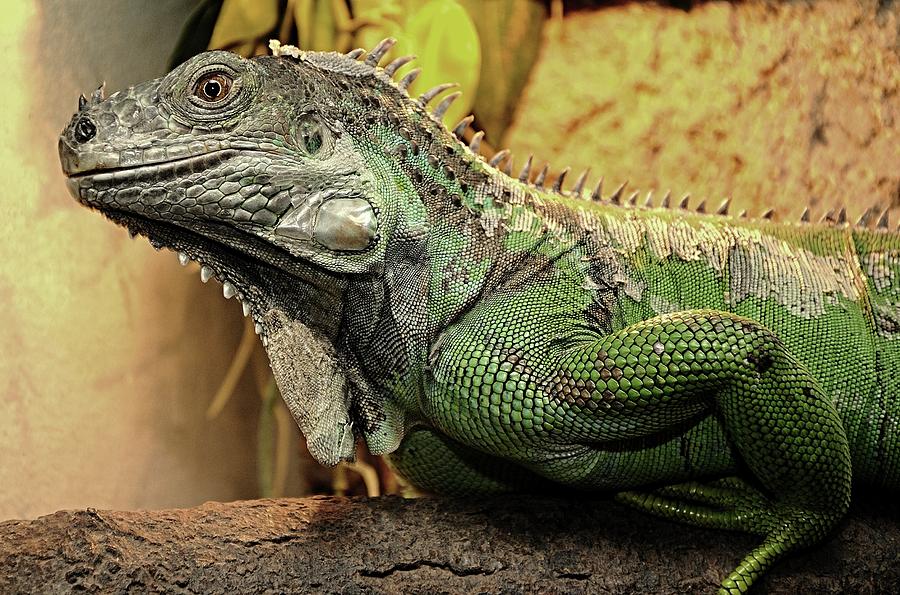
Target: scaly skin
[492, 335]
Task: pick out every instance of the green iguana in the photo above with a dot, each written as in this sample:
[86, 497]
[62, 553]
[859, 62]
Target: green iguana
[491, 334]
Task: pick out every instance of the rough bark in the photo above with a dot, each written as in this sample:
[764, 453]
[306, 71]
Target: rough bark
[391, 545]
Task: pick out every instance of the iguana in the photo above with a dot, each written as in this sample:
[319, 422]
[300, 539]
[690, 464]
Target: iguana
[490, 334]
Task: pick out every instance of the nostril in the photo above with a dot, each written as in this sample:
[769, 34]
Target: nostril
[85, 130]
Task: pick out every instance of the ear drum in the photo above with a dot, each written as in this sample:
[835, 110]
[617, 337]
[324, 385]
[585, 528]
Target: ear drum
[345, 224]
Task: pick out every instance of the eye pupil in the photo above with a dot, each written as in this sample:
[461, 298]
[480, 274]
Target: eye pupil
[212, 89]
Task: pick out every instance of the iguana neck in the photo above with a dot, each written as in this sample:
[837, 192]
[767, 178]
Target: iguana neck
[464, 231]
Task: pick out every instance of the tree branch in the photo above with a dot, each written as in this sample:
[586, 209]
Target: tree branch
[391, 545]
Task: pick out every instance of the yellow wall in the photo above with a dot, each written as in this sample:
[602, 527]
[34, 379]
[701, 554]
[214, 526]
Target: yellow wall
[777, 105]
[109, 352]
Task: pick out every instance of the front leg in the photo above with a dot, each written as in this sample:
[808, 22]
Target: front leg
[605, 408]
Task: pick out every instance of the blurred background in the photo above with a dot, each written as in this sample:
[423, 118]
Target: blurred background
[126, 383]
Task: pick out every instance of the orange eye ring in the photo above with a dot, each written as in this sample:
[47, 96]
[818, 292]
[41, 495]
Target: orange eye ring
[213, 87]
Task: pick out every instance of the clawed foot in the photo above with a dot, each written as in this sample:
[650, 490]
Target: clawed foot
[729, 503]
[734, 504]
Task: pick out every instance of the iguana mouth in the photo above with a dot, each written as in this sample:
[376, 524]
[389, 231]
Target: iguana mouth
[159, 169]
[235, 277]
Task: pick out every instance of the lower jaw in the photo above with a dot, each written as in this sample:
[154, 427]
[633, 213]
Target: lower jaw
[310, 387]
[259, 284]
[216, 261]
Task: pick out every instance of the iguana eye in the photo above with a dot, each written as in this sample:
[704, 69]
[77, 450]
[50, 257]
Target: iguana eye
[213, 87]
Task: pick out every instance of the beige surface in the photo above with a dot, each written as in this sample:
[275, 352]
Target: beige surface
[110, 352]
[773, 104]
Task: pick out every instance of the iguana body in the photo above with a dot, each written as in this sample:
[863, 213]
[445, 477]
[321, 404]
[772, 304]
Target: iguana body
[494, 335]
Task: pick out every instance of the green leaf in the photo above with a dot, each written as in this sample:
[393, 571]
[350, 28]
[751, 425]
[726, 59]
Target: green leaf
[443, 36]
[322, 25]
[439, 32]
[196, 33]
[324, 29]
[265, 441]
[243, 21]
[509, 31]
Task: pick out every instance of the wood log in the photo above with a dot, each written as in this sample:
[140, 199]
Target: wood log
[391, 545]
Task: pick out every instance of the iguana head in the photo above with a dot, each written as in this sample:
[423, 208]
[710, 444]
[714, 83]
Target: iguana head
[250, 147]
[268, 172]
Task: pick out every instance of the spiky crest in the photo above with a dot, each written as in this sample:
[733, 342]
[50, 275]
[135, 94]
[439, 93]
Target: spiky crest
[526, 169]
[597, 194]
[444, 105]
[867, 217]
[578, 188]
[426, 97]
[557, 186]
[872, 217]
[475, 143]
[498, 157]
[666, 200]
[842, 216]
[632, 198]
[542, 175]
[396, 64]
[379, 51]
[459, 131]
[616, 197]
